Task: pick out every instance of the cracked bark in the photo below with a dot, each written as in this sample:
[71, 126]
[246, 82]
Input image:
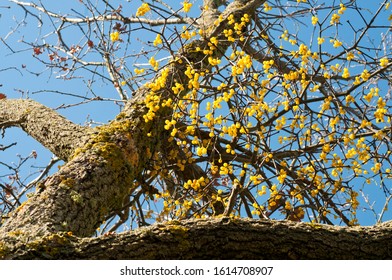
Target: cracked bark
[52, 130]
[222, 239]
[102, 163]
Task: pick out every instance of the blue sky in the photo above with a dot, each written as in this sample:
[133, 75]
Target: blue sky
[19, 81]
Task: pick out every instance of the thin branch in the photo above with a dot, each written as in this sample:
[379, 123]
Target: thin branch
[116, 17]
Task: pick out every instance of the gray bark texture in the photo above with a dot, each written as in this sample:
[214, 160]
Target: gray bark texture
[101, 165]
[220, 238]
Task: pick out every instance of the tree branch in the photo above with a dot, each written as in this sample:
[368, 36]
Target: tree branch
[114, 17]
[223, 238]
[53, 131]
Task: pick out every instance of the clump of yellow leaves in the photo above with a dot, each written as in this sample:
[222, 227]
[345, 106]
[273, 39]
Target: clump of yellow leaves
[142, 10]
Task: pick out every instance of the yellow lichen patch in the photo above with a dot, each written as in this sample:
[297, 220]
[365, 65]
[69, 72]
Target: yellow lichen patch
[4, 250]
[314, 225]
[67, 183]
[178, 229]
[180, 233]
[104, 143]
[50, 245]
[15, 233]
[21, 206]
[76, 197]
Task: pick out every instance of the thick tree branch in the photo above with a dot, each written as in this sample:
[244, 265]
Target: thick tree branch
[223, 238]
[53, 131]
[78, 197]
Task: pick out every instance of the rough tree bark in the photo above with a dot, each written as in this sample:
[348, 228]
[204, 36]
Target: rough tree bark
[102, 163]
[222, 238]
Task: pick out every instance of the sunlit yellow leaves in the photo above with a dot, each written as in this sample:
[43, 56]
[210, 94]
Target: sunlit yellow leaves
[229, 35]
[347, 139]
[115, 36]
[213, 61]
[280, 123]
[351, 153]
[142, 10]
[200, 151]
[336, 43]
[169, 124]
[272, 96]
[285, 35]
[350, 56]
[342, 9]
[263, 190]
[267, 7]
[336, 68]
[174, 132]
[354, 201]
[257, 209]
[231, 19]
[293, 41]
[282, 176]
[320, 40]
[349, 99]
[275, 199]
[267, 65]
[338, 164]
[334, 121]
[139, 71]
[326, 104]
[154, 63]
[291, 76]
[245, 18]
[373, 92]
[226, 169]
[384, 62]
[376, 168]
[214, 41]
[357, 81]
[243, 63]
[326, 148]
[335, 19]
[186, 6]
[346, 73]
[288, 205]
[368, 97]
[186, 34]
[314, 20]
[365, 75]
[379, 135]
[193, 83]
[158, 40]
[177, 88]
[152, 100]
[305, 53]
[229, 149]
[365, 123]
[326, 75]
[381, 110]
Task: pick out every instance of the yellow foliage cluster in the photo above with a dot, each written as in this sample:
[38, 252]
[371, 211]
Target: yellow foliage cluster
[243, 113]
